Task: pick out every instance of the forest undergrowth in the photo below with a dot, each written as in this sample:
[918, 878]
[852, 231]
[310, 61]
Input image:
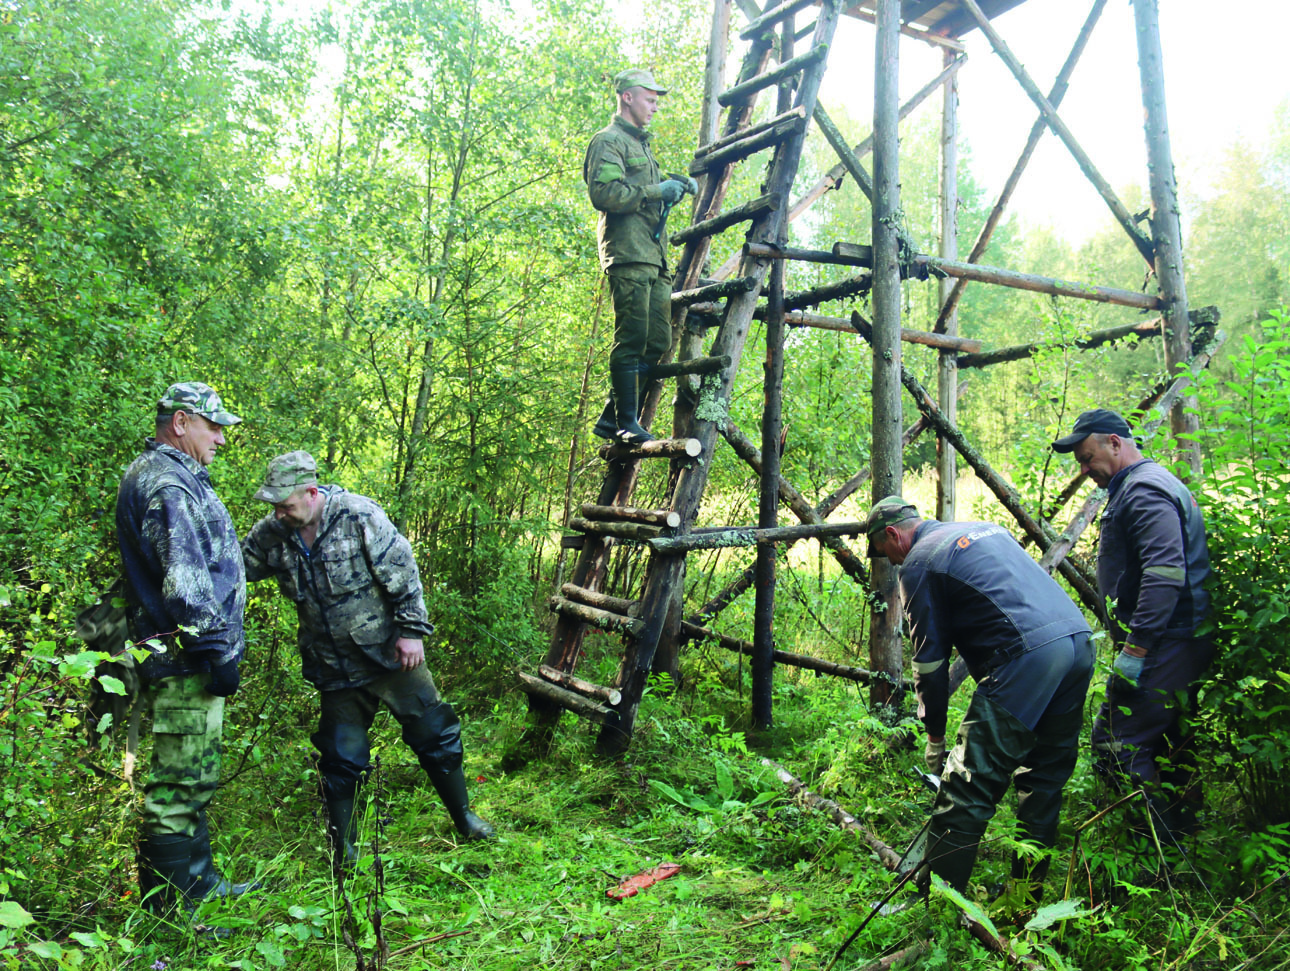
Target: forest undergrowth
[765, 880]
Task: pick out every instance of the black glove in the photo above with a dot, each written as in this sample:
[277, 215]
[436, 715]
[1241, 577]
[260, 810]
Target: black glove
[224, 679]
[671, 191]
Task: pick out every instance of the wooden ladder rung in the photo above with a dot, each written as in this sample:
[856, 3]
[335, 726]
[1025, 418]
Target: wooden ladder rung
[602, 601]
[637, 531]
[564, 679]
[566, 699]
[786, 70]
[739, 214]
[750, 142]
[713, 291]
[774, 16]
[695, 365]
[659, 448]
[665, 518]
[603, 619]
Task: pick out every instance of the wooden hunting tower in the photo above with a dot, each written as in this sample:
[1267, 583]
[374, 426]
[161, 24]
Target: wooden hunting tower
[785, 51]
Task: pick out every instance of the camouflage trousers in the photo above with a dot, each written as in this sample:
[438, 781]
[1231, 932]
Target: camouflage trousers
[186, 726]
[642, 296]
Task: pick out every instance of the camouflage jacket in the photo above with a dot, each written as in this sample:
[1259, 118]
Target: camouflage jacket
[622, 180]
[185, 584]
[356, 591]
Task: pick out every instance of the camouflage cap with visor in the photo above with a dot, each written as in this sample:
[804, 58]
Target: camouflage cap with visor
[195, 398]
[887, 512]
[286, 474]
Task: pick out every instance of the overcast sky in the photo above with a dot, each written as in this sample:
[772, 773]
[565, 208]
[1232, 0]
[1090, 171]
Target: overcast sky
[1224, 70]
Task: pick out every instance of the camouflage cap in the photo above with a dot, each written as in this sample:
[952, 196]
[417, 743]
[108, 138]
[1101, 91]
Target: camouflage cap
[637, 78]
[196, 399]
[286, 474]
[887, 512]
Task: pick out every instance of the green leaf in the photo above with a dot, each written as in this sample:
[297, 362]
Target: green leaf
[1045, 917]
[13, 915]
[113, 686]
[968, 907]
[725, 784]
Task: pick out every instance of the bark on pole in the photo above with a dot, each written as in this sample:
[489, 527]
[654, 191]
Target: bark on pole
[884, 644]
[1166, 232]
[947, 376]
[763, 664]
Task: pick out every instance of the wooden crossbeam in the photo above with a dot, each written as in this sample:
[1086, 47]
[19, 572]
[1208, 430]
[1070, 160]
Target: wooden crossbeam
[804, 661]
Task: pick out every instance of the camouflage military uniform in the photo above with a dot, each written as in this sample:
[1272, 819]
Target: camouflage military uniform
[186, 588]
[357, 591]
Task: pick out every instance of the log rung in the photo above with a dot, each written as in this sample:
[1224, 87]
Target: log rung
[566, 699]
[659, 448]
[759, 141]
[785, 71]
[595, 598]
[740, 214]
[621, 530]
[696, 365]
[666, 518]
[602, 619]
[748, 131]
[595, 692]
[713, 291]
[774, 16]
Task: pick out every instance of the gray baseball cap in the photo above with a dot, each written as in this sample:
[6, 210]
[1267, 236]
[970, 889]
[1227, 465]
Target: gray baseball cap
[286, 474]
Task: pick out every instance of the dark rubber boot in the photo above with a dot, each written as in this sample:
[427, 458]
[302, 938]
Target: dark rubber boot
[166, 879]
[605, 426]
[625, 414]
[952, 855]
[644, 386]
[342, 830]
[205, 879]
[451, 787]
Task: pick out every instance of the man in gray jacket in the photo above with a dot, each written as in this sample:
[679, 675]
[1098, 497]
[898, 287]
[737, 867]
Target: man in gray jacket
[1152, 564]
[362, 626]
[972, 587]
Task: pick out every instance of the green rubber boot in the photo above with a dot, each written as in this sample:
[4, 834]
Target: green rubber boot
[451, 787]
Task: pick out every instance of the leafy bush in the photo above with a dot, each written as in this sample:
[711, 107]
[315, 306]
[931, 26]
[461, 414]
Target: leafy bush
[1246, 436]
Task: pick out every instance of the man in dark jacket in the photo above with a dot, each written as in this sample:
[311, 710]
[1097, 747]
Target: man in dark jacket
[362, 626]
[185, 594]
[972, 587]
[625, 186]
[1152, 564]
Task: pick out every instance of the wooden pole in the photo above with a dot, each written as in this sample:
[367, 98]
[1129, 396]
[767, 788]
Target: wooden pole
[1166, 231]
[1055, 96]
[562, 697]
[1118, 208]
[1016, 352]
[947, 379]
[695, 632]
[608, 695]
[885, 654]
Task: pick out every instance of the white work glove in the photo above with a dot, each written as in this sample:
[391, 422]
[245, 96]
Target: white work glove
[934, 757]
[1129, 667]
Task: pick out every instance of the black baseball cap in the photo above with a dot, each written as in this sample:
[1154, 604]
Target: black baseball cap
[1099, 421]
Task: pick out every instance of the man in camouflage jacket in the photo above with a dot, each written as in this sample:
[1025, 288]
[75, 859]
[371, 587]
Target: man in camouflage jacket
[362, 625]
[185, 593]
[623, 182]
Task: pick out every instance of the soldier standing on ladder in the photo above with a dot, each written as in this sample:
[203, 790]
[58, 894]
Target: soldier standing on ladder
[633, 200]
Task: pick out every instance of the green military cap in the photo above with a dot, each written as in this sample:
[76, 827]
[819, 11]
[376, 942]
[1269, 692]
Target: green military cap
[286, 474]
[196, 399]
[636, 78]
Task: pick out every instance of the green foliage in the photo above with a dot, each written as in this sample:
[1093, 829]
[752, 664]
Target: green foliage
[1246, 433]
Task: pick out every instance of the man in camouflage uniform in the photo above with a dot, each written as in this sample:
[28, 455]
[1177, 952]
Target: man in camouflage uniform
[362, 617]
[625, 186]
[185, 591]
